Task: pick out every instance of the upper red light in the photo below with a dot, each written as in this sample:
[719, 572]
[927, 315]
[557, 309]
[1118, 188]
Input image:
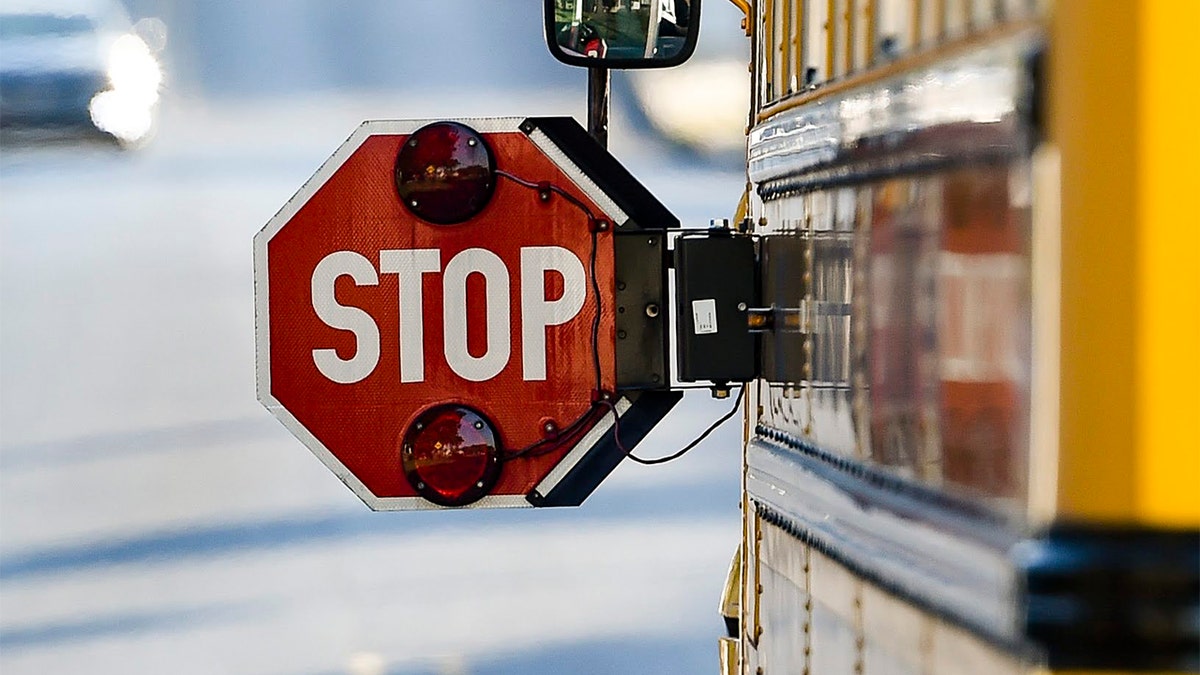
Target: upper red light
[445, 173]
[451, 455]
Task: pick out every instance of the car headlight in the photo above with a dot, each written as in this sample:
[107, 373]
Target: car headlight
[125, 109]
[133, 70]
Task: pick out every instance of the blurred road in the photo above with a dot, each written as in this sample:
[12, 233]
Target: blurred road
[154, 518]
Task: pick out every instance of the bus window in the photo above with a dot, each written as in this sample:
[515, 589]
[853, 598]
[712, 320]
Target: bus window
[956, 18]
[816, 14]
[765, 50]
[862, 29]
[931, 15]
[780, 47]
[893, 32]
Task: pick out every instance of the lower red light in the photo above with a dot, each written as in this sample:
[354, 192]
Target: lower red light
[451, 455]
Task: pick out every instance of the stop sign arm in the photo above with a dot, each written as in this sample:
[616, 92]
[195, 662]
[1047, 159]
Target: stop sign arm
[639, 229]
[593, 458]
[640, 250]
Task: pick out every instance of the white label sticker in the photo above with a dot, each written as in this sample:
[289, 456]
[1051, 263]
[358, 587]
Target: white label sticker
[704, 316]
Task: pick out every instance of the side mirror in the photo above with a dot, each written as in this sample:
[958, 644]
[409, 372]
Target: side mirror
[622, 33]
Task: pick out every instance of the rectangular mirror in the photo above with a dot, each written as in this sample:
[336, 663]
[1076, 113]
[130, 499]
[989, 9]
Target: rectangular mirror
[622, 33]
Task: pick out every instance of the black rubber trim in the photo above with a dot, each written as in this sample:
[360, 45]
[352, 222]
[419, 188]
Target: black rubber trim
[642, 207]
[1094, 597]
[1121, 598]
[849, 173]
[646, 409]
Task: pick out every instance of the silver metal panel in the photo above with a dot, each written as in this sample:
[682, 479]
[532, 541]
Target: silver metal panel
[932, 561]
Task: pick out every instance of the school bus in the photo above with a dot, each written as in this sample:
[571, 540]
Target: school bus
[975, 453]
[970, 440]
[972, 383]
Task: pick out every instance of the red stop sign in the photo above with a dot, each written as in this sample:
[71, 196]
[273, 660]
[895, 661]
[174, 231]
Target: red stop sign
[474, 361]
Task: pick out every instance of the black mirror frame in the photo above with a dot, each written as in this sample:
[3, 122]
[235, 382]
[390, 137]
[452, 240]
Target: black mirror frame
[689, 45]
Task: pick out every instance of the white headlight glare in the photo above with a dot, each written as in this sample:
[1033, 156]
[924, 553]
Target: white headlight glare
[133, 71]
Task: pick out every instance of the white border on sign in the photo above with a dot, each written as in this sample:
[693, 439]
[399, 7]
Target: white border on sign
[581, 180]
[589, 440]
[262, 326]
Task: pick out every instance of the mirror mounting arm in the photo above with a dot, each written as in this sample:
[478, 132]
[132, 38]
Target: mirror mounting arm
[597, 105]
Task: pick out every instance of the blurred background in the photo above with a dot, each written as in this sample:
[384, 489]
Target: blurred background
[153, 516]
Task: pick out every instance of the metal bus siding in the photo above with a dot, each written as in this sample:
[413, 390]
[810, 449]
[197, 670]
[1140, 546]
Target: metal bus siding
[955, 463]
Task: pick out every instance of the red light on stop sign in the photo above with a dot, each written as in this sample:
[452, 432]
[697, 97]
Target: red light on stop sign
[445, 173]
[451, 455]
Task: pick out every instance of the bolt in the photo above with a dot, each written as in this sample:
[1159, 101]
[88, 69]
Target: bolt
[413, 203]
[471, 142]
[420, 486]
[620, 285]
[548, 427]
[412, 143]
[544, 195]
[652, 310]
[478, 424]
[479, 484]
[741, 306]
[419, 426]
[620, 310]
[652, 241]
[621, 334]
[655, 378]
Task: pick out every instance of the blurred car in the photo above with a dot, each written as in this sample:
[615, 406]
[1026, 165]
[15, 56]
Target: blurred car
[75, 66]
[699, 107]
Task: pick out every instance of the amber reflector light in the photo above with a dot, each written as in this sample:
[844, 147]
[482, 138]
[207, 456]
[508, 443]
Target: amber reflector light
[445, 173]
[451, 455]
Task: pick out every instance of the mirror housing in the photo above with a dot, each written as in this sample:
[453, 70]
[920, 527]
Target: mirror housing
[622, 33]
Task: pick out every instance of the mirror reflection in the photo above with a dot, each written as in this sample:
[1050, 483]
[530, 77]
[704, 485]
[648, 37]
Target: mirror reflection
[622, 29]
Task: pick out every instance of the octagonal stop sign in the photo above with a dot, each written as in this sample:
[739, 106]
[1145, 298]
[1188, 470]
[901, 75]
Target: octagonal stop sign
[466, 313]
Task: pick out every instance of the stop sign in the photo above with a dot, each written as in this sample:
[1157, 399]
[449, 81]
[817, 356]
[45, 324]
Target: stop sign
[466, 313]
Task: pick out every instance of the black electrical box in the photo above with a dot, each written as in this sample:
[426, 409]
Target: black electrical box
[715, 284]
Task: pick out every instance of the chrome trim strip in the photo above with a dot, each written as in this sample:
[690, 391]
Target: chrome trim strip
[955, 563]
[977, 103]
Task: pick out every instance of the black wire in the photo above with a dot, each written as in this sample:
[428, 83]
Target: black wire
[554, 188]
[531, 450]
[680, 453]
[596, 319]
[548, 444]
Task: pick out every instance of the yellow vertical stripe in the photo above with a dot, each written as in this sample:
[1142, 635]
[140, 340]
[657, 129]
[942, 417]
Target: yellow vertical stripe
[785, 40]
[1093, 121]
[1168, 438]
[1130, 356]
[830, 32]
[872, 31]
